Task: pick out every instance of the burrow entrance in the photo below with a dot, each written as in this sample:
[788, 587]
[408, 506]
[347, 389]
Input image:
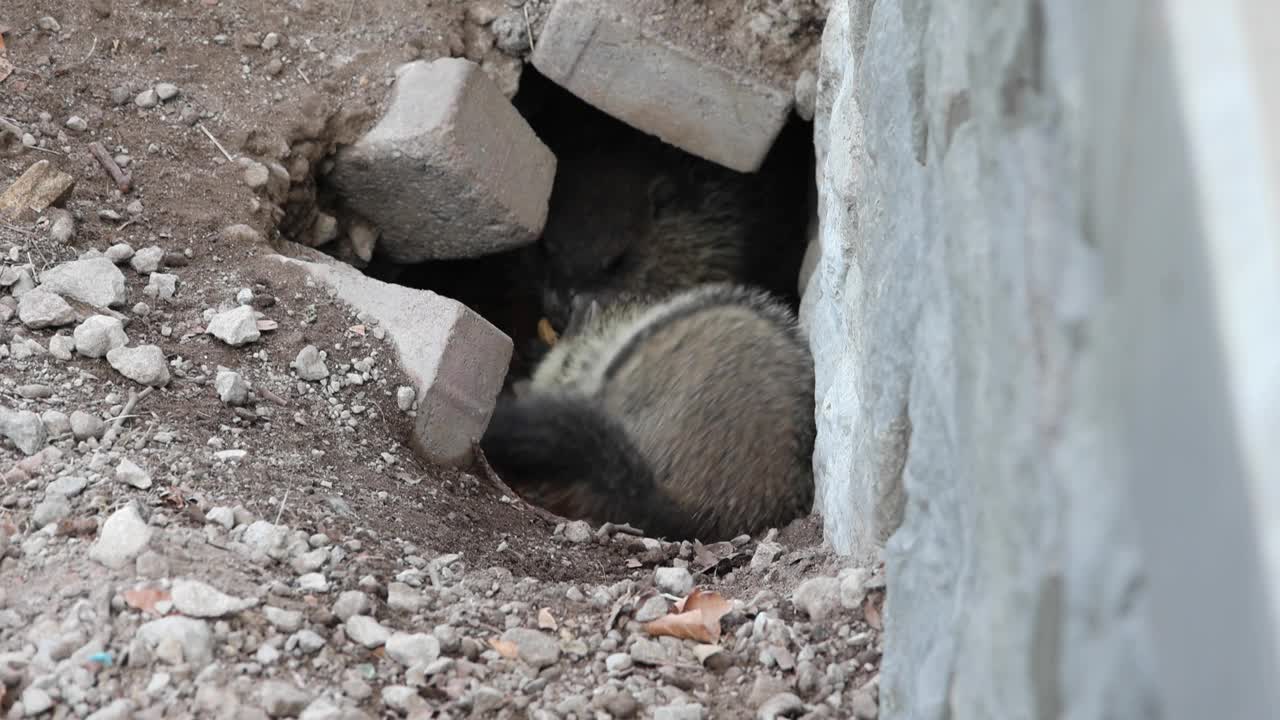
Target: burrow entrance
[607, 177]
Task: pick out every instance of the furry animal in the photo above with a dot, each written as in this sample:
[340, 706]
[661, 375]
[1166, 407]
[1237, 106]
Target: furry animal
[630, 215]
[690, 416]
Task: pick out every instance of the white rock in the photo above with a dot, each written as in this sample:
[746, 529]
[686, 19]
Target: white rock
[366, 631]
[63, 228]
[96, 281]
[324, 709]
[235, 327]
[673, 580]
[161, 285]
[121, 538]
[244, 296]
[24, 429]
[310, 365]
[350, 603]
[118, 253]
[62, 346]
[288, 621]
[578, 531]
[853, 587]
[189, 637]
[75, 123]
[196, 599]
[221, 515]
[313, 582]
[129, 473]
[144, 364]
[413, 649]
[85, 426]
[41, 309]
[281, 699]
[818, 597]
[67, 485]
[147, 99]
[98, 335]
[310, 561]
[403, 699]
[535, 647]
[50, 510]
[120, 709]
[232, 388]
[266, 538]
[680, 711]
[166, 91]
[36, 701]
[56, 422]
[405, 396]
[147, 260]
[255, 174]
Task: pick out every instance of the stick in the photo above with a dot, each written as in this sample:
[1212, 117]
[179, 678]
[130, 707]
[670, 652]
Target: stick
[489, 474]
[122, 179]
[273, 397]
[283, 500]
[134, 398]
[528, 27]
[209, 135]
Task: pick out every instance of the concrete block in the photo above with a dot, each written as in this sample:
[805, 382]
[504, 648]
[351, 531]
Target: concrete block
[456, 359]
[451, 170]
[592, 49]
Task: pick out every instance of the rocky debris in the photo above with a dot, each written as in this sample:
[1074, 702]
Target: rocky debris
[147, 260]
[123, 536]
[310, 365]
[147, 99]
[197, 599]
[366, 631]
[600, 51]
[235, 327]
[413, 649]
[130, 474]
[95, 281]
[50, 510]
[241, 235]
[62, 347]
[144, 364]
[486, 185]
[281, 699]
[166, 91]
[85, 426]
[175, 640]
[62, 226]
[818, 597]
[37, 188]
[24, 429]
[673, 580]
[162, 286]
[405, 397]
[232, 387]
[534, 646]
[578, 531]
[119, 253]
[41, 309]
[98, 335]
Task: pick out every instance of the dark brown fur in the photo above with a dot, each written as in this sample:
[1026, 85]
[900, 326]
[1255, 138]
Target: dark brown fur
[689, 417]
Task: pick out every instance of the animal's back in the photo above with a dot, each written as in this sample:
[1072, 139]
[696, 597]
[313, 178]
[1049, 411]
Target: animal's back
[702, 410]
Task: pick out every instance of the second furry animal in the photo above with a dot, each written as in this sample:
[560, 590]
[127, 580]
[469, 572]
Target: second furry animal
[689, 417]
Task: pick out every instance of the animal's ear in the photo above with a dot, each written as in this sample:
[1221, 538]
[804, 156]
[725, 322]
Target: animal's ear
[663, 193]
[584, 309]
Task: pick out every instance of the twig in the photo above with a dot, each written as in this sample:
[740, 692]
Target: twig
[528, 27]
[209, 135]
[304, 76]
[487, 470]
[122, 179]
[92, 48]
[285, 499]
[273, 397]
[134, 398]
[44, 150]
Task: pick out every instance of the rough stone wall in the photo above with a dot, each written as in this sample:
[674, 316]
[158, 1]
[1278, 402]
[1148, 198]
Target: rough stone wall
[953, 311]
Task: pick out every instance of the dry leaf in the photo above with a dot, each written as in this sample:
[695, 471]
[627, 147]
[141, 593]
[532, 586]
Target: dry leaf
[68, 527]
[546, 333]
[697, 617]
[545, 620]
[871, 611]
[505, 648]
[145, 599]
[705, 652]
[6, 69]
[356, 330]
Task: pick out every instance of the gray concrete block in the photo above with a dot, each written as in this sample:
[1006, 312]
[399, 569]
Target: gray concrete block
[451, 170]
[456, 359]
[594, 51]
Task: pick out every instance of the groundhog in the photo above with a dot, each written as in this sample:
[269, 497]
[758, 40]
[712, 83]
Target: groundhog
[629, 214]
[690, 416]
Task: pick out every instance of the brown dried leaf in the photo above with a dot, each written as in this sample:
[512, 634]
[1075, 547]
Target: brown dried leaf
[871, 611]
[505, 648]
[697, 617]
[546, 621]
[546, 333]
[145, 599]
[68, 527]
[357, 330]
